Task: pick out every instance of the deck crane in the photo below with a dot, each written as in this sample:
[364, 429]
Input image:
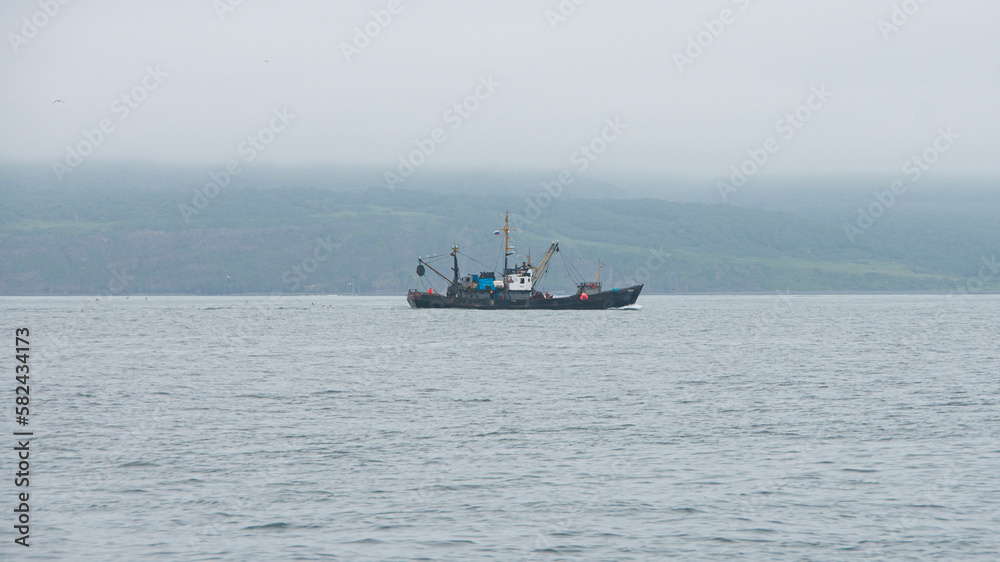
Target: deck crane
[544, 264]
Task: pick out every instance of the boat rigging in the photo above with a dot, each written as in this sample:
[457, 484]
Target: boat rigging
[515, 287]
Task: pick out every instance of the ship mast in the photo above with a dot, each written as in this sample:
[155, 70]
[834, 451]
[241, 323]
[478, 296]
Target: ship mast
[454, 255]
[506, 241]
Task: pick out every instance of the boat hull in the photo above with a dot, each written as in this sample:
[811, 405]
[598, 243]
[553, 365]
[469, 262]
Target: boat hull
[616, 298]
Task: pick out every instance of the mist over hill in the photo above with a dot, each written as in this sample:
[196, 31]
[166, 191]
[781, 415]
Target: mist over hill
[155, 230]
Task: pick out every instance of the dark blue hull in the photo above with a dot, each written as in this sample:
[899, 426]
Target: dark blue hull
[500, 300]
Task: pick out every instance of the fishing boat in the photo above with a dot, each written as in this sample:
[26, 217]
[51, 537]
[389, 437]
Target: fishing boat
[516, 287]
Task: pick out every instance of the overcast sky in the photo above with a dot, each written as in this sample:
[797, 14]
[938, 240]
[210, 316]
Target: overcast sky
[556, 79]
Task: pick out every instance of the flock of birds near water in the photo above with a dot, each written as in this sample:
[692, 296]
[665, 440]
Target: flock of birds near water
[97, 299]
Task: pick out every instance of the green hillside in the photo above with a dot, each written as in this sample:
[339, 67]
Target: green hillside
[122, 239]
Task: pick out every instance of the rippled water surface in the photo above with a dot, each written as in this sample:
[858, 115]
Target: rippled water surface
[696, 427]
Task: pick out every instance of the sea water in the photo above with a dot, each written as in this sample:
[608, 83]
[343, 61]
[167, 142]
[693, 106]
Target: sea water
[694, 427]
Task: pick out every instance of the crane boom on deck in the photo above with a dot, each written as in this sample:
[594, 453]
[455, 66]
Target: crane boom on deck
[544, 264]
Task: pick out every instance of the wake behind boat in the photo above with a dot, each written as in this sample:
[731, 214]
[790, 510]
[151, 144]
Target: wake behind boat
[516, 288]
